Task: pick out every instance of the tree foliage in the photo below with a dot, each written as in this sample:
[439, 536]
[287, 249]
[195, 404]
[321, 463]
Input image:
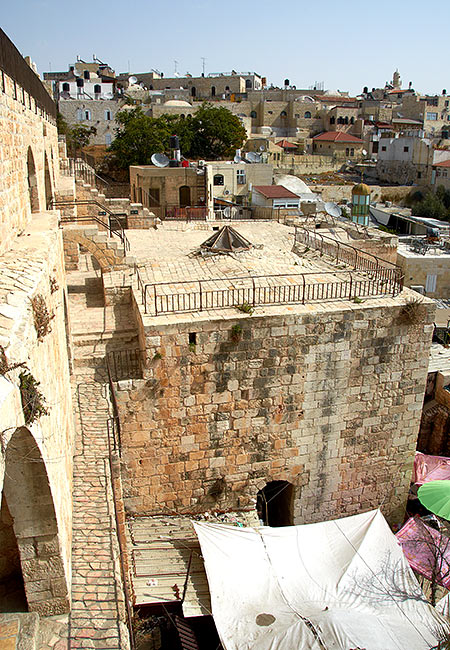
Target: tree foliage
[434, 205]
[212, 133]
[77, 137]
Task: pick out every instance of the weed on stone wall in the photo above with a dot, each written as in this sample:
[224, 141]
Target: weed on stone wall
[33, 402]
[41, 316]
[236, 333]
[5, 366]
[245, 308]
[54, 286]
[412, 313]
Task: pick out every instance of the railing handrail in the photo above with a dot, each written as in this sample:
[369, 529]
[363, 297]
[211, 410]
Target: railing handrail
[118, 231]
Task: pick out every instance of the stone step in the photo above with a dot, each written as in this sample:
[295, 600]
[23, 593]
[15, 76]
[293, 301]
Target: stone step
[91, 338]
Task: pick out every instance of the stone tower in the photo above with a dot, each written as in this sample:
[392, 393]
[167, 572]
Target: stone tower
[396, 80]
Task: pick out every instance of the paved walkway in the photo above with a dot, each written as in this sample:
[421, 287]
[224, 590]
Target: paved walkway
[96, 619]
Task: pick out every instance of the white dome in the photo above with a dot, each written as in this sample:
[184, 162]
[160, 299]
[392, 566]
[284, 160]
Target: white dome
[332, 93]
[177, 102]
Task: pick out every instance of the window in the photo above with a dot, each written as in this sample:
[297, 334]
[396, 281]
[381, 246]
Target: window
[87, 115]
[218, 179]
[86, 74]
[65, 87]
[248, 84]
[283, 114]
[405, 149]
[107, 139]
[80, 83]
[227, 89]
[193, 91]
[383, 148]
[108, 116]
[419, 174]
[240, 176]
[253, 114]
[352, 120]
[14, 90]
[347, 152]
[352, 152]
[430, 284]
[3, 82]
[213, 91]
[432, 116]
[308, 115]
[79, 115]
[332, 120]
[192, 338]
[97, 90]
[297, 115]
[270, 112]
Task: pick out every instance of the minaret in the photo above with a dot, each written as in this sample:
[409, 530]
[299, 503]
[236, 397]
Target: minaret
[396, 81]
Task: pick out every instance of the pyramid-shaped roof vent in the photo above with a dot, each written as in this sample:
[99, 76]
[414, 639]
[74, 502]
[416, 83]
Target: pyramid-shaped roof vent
[226, 240]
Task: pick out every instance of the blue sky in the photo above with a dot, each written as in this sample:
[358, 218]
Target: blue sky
[347, 45]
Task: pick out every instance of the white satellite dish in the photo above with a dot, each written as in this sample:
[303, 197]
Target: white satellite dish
[159, 160]
[262, 148]
[76, 72]
[252, 157]
[364, 152]
[132, 79]
[237, 159]
[332, 209]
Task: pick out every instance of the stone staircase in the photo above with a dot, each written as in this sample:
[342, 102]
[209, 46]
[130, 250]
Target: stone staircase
[28, 631]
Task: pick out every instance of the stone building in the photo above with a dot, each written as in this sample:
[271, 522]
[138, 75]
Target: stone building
[37, 433]
[338, 143]
[408, 159]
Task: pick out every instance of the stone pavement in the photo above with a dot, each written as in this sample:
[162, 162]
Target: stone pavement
[97, 618]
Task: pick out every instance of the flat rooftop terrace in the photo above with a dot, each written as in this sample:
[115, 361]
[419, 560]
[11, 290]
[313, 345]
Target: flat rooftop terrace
[174, 277]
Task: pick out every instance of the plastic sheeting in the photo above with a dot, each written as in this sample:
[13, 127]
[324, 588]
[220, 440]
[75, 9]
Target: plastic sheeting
[430, 468]
[340, 584]
[426, 550]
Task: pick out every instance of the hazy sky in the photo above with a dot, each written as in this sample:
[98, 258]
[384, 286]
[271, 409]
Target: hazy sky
[347, 44]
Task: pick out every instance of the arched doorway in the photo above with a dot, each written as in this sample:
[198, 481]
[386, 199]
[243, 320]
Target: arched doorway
[185, 196]
[48, 184]
[275, 504]
[12, 590]
[32, 182]
[29, 505]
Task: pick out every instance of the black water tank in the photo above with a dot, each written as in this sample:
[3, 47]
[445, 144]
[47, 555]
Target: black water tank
[174, 142]
[286, 82]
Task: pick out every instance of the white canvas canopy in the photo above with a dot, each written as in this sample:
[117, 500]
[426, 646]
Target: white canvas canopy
[340, 585]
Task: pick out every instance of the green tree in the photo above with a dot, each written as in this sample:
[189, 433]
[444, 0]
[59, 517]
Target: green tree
[216, 133]
[78, 137]
[431, 207]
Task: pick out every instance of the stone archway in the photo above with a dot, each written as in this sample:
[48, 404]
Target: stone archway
[32, 182]
[107, 252]
[47, 184]
[31, 510]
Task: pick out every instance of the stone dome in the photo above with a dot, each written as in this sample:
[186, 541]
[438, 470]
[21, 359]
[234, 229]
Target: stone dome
[361, 189]
[180, 103]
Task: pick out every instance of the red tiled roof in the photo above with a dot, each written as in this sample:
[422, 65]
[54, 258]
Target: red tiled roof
[405, 90]
[286, 144]
[444, 163]
[275, 191]
[337, 136]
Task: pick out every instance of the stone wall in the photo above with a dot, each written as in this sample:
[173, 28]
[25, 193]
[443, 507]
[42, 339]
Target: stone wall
[137, 215]
[28, 146]
[99, 110]
[416, 268]
[40, 500]
[327, 399]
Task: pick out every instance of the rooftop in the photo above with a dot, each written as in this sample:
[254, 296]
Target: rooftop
[275, 191]
[444, 163]
[337, 136]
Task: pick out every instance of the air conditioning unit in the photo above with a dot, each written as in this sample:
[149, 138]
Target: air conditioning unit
[419, 288]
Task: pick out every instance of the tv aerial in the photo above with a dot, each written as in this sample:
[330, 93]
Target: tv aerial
[252, 157]
[160, 160]
[333, 209]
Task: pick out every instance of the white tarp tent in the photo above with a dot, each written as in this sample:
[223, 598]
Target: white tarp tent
[342, 584]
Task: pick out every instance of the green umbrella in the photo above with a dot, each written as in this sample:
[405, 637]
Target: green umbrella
[435, 496]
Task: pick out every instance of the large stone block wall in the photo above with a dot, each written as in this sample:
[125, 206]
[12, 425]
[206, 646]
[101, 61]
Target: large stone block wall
[328, 399]
[24, 127]
[35, 266]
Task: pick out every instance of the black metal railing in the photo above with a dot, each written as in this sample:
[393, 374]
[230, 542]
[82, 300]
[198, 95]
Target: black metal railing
[83, 171]
[125, 364]
[301, 288]
[341, 252]
[14, 65]
[113, 226]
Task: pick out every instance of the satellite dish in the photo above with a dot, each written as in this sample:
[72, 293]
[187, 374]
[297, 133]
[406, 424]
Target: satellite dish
[252, 157]
[262, 148]
[364, 152]
[109, 95]
[159, 160]
[132, 79]
[332, 209]
[237, 159]
[76, 72]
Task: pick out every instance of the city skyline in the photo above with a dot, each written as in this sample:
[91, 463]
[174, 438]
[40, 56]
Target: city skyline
[345, 53]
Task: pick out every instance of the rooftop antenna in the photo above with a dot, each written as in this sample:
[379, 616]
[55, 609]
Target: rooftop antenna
[176, 68]
[203, 65]
[160, 160]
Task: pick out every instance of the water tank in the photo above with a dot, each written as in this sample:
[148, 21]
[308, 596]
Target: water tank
[174, 142]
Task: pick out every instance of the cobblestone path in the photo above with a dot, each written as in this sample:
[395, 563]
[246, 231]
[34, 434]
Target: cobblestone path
[97, 599]
[97, 617]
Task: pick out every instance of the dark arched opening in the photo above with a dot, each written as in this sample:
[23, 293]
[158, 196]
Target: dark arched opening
[213, 91]
[193, 91]
[275, 504]
[29, 500]
[32, 182]
[12, 590]
[185, 196]
[48, 184]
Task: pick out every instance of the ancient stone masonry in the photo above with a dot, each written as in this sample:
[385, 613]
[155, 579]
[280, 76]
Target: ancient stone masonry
[328, 399]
